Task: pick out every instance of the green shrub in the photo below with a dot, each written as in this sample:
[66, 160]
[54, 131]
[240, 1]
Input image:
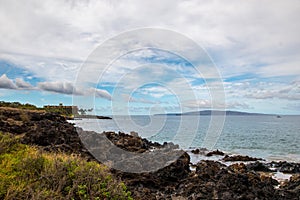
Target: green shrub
[18, 105]
[28, 173]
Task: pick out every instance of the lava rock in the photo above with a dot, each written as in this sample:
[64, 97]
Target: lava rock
[286, 167]
[217, 152]
[240, 158]
[258, 166]
[199, 151]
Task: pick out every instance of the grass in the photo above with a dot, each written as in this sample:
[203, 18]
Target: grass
[28, 173]
[26, 106]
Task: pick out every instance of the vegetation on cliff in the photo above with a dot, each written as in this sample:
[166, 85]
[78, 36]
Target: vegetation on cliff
[19, 105]
[26, 172]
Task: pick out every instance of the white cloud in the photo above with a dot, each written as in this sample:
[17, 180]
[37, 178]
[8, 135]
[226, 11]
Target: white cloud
[131, 99]
[264, 90]
[51, 39]
[20, 83]
[156, 92]
[68, 88]
[101, 93]
[6, 83]
[58, 87]
[62, 33]
[207, 104]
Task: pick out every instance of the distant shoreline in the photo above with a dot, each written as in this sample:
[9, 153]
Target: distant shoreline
[218, 112]
[90, 117]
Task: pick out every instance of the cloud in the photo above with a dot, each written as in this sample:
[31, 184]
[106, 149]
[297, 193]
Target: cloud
[237, 105]
[20, 83]
[6, 83]
[207, 104]
[238, 35]
[155, 91]
[68, 88]
[241, 37]
[289, 92]
[58, 87]
[132, 99]
[265, 94]
[101, 93]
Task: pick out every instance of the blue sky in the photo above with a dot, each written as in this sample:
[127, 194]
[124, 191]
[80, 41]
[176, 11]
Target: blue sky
[254, 46]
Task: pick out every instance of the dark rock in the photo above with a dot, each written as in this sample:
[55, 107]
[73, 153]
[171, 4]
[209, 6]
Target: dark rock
[195, 151]
[240, 158]
[258, 166]
[134, 134]
[160, 184]
[130, 143]
[206, 170]
[49, 131]
[199, 151]
[291, 190]
[177, 170]
[238, 168]
[269, 180]
[217, 152]
[170, 145]
[243, 185]
[213, 180]
[286, 167]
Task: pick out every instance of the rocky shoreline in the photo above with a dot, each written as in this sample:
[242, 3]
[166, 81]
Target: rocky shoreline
[180, 179]
[78, 117]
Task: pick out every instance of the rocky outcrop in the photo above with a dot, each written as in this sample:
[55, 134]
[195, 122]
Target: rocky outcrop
[228, 158]
[131, 143]
[291, 189]
[199, 151]
[49, 131]
[160, 184]
[286, 167]
[258, 166]
[216, 152]
[213, 180]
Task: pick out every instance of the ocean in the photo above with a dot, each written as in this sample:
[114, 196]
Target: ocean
[264, 136]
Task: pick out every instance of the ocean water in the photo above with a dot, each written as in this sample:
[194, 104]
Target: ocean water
[266, 137]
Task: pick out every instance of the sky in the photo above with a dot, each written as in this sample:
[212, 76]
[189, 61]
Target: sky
[251, 48]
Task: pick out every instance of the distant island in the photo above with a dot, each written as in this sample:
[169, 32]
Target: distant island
[216, 112]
